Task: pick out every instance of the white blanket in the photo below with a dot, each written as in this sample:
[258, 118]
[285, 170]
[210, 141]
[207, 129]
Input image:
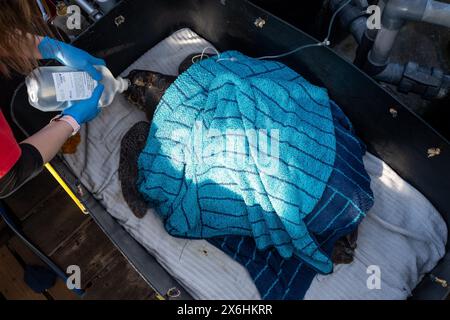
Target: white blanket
[403, 235]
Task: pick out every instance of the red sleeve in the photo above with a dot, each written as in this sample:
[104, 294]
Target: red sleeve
[9, 149]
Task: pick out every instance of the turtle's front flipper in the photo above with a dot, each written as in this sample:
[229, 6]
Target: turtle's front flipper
[131, 147]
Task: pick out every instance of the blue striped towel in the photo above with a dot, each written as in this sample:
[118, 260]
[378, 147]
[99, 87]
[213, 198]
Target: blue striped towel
[347, 194]
[245, 147]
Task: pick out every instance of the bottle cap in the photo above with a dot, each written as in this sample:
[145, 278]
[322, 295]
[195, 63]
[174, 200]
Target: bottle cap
[124, 84]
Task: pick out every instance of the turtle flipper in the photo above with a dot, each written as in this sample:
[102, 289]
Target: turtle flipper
[344, 249]
[131, 147]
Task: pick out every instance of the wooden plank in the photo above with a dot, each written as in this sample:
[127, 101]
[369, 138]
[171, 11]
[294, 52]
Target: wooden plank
[88, 248]
[31, 194]
[12, 285]
[16, 245]
[59, 291]
[119, 281]
[105, 272]
[53, 221]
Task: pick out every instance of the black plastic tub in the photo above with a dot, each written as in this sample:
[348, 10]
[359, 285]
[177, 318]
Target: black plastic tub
[390, 130]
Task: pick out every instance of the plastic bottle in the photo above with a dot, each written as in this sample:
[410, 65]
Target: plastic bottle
[53, 88]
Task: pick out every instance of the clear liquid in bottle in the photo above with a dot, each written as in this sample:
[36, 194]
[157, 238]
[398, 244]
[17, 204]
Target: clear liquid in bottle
[54, 88]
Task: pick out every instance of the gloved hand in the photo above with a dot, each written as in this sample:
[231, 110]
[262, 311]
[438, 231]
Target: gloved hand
[70, 56]
[85, 110]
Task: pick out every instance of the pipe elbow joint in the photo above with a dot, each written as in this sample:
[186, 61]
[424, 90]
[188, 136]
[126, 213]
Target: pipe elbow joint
[396, 12]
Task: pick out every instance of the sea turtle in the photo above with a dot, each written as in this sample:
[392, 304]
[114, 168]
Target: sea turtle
[145, 92]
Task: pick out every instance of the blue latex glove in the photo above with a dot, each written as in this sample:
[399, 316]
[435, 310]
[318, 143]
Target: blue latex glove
[85, 110]
[70, 56]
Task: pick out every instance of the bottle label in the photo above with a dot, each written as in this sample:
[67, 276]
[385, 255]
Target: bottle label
[73, 85]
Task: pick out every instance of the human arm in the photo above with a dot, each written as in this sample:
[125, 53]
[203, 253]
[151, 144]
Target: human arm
[41, 147]
[26, 167]
[37, 150]
[50, 139]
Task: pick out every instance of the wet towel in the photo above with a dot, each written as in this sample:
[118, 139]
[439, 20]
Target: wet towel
[263, 184]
